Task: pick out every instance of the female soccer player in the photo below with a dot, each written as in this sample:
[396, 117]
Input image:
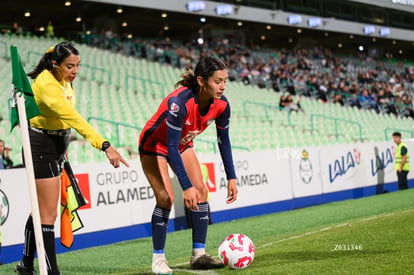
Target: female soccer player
[49, 140]
[168, 138]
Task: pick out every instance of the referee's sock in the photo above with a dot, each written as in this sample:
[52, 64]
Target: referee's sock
[29, 244]
[50, 246]
[200, 223]
[159, 224]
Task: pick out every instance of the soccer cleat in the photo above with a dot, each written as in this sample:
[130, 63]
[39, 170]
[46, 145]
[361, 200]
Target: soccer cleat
[205, 262]
[24, 270]
[160, 267]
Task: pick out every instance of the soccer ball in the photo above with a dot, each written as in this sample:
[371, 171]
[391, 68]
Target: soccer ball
[236, 251]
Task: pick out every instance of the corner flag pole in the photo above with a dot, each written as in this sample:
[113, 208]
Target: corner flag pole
[31, 183]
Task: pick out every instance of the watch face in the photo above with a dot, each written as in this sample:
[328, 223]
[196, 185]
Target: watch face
[105, 145]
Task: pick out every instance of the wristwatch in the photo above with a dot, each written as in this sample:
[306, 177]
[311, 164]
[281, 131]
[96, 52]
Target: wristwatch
[105, 145]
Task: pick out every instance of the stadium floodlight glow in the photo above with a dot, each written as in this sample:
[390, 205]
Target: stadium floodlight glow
[119, 10]
[361, 48]
[42, 29]
[194, 6]
[130, 36]
[27, 13]
[294, 19]
[68, 3]
[369, 29]
[239, 23]
[78, 18]
[384, 31]
[124, 24]
[224, 9]
[203, 20]
[164, 15]
[268, 27]
[314, 22]
[200, 41]
[166, 28]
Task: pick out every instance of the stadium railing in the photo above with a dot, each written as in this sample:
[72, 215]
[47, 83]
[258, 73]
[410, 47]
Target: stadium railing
[336, 120]
[388, 129]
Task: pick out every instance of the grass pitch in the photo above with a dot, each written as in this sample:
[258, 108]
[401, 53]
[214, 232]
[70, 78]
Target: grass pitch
[373, 235]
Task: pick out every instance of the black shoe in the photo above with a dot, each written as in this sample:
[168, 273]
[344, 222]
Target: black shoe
[24, 270]
[49, 272]
[205, 262]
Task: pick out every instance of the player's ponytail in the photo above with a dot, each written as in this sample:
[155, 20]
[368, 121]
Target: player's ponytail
[205, 68]
[54, 54]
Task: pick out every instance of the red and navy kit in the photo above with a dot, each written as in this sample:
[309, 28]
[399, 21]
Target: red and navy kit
[171, 130]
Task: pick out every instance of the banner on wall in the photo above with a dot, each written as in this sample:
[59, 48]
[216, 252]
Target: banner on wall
[305, 172]
[261, 178]
[343, 167]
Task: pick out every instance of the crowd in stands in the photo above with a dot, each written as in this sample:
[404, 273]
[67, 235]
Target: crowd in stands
[358, 81]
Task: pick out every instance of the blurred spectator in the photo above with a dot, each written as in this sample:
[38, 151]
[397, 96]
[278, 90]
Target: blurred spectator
[17, 29]
[50, 30]
[5, 161]
[286, 103]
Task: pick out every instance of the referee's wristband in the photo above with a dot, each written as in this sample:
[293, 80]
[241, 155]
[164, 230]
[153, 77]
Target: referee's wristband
[105, 145]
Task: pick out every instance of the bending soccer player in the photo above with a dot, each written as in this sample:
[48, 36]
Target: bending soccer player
[167, 138]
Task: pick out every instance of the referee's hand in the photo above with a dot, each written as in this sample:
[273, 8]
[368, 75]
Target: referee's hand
[115, 158]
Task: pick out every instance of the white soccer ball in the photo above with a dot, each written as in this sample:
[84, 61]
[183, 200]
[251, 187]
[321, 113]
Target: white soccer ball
[236, 251]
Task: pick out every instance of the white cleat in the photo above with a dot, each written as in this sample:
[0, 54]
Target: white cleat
[160, 267]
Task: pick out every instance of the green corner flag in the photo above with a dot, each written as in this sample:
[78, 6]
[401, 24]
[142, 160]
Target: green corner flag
[20, 83]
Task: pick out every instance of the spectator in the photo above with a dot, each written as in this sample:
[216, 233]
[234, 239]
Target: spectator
[5, 161]
[50, 30]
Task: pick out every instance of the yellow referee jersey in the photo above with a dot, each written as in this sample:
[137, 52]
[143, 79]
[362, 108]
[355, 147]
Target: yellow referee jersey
[56, 101]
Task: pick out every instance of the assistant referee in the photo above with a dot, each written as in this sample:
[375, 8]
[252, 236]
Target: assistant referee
[402, 161]
[49, 140]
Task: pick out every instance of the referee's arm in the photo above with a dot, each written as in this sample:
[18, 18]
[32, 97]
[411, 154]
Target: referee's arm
[58, 106]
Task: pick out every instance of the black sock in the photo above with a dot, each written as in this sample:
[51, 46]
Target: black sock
[29, 244]
[50, 246]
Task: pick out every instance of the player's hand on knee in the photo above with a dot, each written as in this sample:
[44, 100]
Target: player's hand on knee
[191, 198]
[232, 191]
[115, 158]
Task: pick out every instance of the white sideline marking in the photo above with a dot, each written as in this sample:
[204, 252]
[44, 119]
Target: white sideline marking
[192, 271]
[332, 227]
[303, 235]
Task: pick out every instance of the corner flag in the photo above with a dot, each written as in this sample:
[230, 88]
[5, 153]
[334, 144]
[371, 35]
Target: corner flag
[21, 84]
[22, 99]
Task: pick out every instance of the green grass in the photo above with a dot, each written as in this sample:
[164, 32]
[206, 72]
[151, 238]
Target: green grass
[302, 241]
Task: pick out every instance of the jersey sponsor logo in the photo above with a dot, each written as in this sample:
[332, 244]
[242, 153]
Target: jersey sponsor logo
[83, 181]
[211, 120]
[174, 109]
[190, 136]
[211, 179]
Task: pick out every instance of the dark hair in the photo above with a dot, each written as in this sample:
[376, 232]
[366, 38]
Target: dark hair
[205, 68]
[396, 134]
[59, 53]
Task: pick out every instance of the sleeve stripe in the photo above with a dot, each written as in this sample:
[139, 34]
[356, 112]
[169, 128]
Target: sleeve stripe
[173, 127]
[225, 127]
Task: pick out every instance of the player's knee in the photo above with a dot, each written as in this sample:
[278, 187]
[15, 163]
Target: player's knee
[202, 194]
[165, 201]
[48, 218]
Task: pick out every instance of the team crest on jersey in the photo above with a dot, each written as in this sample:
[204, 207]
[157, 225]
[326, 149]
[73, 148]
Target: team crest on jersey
[174, 108]
[211, 120]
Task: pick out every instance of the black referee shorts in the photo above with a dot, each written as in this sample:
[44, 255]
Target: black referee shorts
[48, 151]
